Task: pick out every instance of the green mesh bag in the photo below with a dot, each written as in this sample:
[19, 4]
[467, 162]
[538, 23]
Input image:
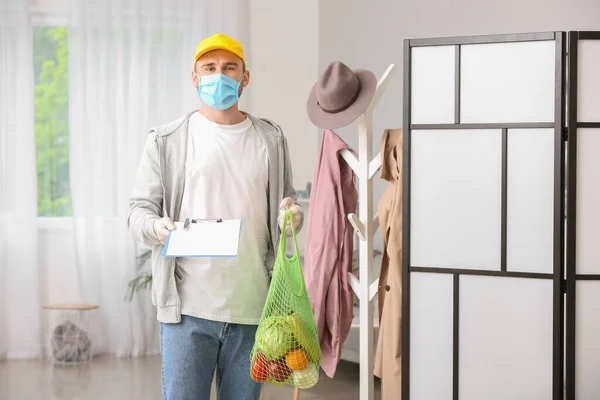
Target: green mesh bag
[286, 349]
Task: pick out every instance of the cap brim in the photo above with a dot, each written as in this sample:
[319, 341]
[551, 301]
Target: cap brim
[325, 120]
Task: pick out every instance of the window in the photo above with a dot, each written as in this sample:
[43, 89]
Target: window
[50, 47]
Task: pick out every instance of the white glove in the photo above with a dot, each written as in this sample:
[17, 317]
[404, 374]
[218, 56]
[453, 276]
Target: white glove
[288, 204]
[162, 227]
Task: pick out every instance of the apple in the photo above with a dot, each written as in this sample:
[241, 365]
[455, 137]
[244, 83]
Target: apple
[278, 371]
[259, 368]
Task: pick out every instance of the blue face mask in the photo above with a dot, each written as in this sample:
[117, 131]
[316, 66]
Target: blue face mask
[218, 91]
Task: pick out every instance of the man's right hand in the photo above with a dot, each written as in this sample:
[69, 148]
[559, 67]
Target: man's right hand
[162, 227]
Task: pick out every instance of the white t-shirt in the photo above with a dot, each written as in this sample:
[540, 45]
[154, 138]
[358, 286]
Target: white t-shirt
[226, 177]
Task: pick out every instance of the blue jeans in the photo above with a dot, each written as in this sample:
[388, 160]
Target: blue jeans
[193, 348]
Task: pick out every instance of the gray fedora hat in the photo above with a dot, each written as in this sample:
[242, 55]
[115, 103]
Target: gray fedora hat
[340, 96]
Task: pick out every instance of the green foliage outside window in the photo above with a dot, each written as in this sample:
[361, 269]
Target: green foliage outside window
[52, 120]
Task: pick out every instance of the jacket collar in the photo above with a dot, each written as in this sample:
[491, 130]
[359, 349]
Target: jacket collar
[263, 125]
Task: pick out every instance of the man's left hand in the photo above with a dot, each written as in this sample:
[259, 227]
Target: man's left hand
[288, 204]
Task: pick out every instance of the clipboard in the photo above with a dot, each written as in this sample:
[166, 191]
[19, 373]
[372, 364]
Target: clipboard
[204, 238]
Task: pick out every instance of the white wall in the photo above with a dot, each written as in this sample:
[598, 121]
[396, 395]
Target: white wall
[283, 62]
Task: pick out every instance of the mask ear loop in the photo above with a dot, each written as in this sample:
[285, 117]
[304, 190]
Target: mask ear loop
[237, 89]
[198, 79]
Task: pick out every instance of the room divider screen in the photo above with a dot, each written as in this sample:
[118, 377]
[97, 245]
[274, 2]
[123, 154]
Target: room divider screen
[483, 218]
[583, 218]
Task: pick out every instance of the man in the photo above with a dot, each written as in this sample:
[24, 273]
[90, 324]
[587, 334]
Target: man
[214, 162]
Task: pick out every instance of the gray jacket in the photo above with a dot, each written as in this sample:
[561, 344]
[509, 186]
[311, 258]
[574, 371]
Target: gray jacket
[158, 191]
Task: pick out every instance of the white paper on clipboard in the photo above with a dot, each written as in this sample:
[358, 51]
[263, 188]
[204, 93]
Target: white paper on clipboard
[210, 239]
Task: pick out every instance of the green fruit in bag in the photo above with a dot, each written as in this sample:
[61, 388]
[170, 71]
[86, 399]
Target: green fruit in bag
[304, 339]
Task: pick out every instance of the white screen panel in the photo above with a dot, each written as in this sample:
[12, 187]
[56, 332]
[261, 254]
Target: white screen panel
[505, 338]
[530, 202]
[588, 201]
[456, 198]
[431, 336]
[588, 78]
[587, 345]
[508, 82]
[432, 84]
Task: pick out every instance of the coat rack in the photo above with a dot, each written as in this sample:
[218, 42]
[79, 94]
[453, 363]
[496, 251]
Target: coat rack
[365, 226]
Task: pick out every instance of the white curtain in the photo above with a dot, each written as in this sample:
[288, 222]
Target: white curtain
[130, 65]
[20, 326]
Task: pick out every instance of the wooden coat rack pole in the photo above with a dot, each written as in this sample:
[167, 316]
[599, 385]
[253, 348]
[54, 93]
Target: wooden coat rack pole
[365, 227]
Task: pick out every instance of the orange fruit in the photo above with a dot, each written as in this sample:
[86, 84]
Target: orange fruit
[296, 360]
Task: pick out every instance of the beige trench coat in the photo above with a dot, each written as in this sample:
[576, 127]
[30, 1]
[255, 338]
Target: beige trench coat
[388, 363]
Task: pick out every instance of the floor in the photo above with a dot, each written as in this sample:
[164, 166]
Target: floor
[138, 379]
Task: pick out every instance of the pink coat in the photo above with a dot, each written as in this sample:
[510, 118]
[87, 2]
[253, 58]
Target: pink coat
[329, 247]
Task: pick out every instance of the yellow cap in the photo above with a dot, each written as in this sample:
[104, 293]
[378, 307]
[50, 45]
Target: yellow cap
[219, 42]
